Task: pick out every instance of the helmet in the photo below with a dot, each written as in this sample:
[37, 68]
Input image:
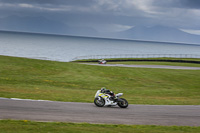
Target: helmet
[103, 89]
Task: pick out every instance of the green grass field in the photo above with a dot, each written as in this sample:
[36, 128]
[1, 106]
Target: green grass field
[149, 61]
[24, 126]
[155, 63]
[61, 81]
[73, 82]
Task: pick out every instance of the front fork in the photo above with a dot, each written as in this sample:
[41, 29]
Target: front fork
[118, 100]
[99, 98]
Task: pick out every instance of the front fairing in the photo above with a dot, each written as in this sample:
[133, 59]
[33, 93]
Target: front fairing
[97, 93]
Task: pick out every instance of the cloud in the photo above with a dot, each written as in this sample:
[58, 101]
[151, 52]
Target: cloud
[50, 2]
[26, 5]
[123, 7]
[113, 14]
[46, 5]
[196, 32]
[195, 4]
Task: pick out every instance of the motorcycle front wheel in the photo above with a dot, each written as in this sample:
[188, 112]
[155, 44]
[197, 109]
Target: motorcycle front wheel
[123, 103]
[99, 101]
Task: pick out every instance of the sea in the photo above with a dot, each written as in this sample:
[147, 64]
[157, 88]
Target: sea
[65, 48]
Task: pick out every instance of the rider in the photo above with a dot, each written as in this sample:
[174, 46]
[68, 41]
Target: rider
[106, 91]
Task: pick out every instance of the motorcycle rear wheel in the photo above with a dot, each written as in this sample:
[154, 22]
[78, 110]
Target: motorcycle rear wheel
[123, 103]
[99, 101]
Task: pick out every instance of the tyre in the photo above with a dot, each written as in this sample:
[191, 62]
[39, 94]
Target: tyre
[123, 103]
[99, 101]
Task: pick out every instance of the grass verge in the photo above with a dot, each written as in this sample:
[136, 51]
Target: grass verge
[156, 63]
[192, 62]
[24, 126]
[73, 82]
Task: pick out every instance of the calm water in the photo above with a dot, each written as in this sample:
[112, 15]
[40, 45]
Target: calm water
[65, 48]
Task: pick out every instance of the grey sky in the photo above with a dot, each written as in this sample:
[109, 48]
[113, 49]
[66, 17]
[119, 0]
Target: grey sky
[109, 15]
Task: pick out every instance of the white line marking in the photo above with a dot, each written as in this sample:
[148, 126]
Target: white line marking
[24, 99]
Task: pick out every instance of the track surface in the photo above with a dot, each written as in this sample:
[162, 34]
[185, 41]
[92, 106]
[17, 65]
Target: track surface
[88, 112]
[148, 66]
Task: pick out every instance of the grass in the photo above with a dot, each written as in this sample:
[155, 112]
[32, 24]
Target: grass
[73, 82]
[149, 61]
[24, 126]
[155, 63]
[164, 59]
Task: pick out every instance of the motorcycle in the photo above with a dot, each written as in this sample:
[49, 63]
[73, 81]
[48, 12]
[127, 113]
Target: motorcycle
[102, 99]
[102, 61]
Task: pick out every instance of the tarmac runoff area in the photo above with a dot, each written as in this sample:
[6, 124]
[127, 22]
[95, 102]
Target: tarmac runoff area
[41, 110]
[147, 66]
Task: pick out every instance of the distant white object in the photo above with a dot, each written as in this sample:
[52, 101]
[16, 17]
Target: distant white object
[102, 61]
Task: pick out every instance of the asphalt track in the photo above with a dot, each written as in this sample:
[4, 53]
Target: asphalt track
[147, 66]
[187, 115]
